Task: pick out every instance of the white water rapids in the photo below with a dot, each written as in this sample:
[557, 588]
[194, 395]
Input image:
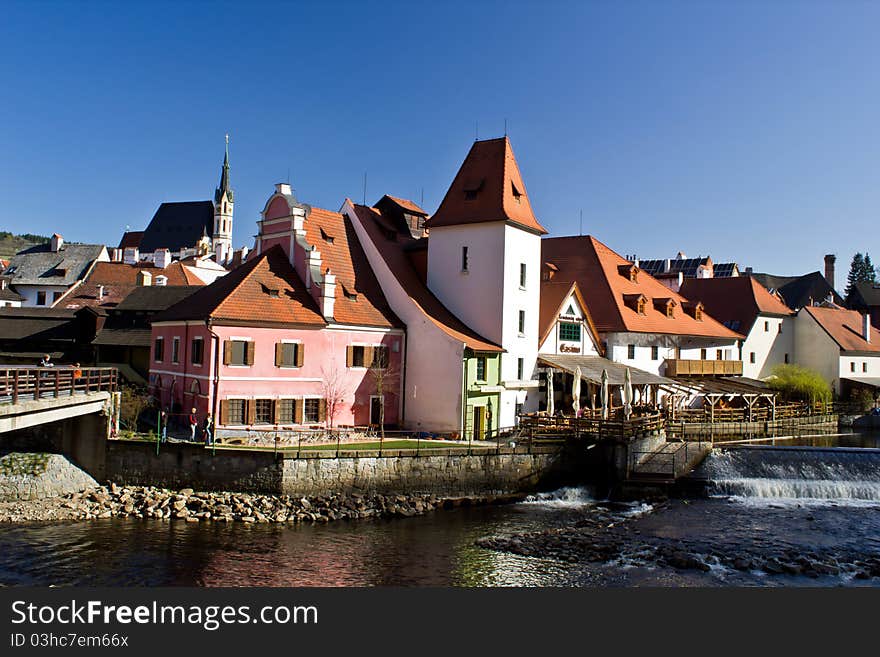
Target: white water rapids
[804, 475]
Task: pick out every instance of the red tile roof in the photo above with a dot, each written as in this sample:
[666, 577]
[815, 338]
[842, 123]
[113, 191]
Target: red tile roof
[487, 187]
[553, 296]
[395, 256]
[845, 328]
[597, 271]
[407, 205]
[736, 301]
[348, 262]
[264, 291]
[118, 279]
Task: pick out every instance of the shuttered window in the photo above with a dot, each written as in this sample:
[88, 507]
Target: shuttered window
[356, 356]
[289, 354]
[285, 412]
[311, 412]
[264, 411]
[379, 358]
[238, 352]
[232, 412]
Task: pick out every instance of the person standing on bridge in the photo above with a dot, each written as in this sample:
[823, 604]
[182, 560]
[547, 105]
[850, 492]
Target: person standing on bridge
[193, 425]
[47, 361]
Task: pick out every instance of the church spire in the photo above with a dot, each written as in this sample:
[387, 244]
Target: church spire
[224, 190]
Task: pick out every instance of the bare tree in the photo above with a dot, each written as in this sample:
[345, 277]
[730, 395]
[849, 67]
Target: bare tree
[386, 378]
[335, 390]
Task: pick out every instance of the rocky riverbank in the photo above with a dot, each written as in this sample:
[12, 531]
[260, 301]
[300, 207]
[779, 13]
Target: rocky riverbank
[190, 506]
[603, 537]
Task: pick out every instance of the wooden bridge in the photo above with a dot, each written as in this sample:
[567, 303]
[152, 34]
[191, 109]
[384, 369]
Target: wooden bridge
[30, 396]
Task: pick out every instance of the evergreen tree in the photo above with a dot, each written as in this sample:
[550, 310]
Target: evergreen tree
[856, 270]
[860, 270]
[870, 272]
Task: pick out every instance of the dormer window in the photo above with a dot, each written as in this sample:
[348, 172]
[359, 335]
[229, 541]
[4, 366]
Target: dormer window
[666, 306]
[636, 302]
[472, 188]
[516, 193]
[695, 310]
[327, 238]
[349, 294]
[273, 293]
[630, 272]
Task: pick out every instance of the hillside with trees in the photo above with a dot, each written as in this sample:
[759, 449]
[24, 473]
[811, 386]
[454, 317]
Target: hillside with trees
[11, 244]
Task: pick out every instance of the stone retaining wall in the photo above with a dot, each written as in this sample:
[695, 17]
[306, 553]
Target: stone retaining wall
[37, 476]
[453, 474]
[447, 475]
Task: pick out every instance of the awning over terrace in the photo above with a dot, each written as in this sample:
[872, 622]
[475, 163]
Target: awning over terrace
[592, 366]
[724, 386]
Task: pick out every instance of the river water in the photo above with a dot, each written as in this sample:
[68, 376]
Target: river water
[793, 505]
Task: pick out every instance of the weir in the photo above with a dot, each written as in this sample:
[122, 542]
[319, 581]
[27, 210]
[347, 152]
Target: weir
[845, 475]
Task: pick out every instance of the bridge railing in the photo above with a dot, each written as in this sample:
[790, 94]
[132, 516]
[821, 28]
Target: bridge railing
[34, 383]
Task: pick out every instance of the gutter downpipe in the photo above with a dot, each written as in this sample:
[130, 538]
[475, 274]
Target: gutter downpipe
[216, 377]
[464, 373]
[403, 353]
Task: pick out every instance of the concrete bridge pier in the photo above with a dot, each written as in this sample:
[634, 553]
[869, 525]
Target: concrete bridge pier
[82, 438]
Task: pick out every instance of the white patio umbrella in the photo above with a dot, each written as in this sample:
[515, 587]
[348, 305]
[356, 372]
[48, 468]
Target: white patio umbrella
[550, 392]
[576, 390]
[627, 394]
[604, 394]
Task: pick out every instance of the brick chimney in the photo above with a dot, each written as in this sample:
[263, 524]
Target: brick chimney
[866, 327]
[829, 269]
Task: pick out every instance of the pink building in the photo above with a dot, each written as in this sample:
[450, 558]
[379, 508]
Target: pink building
[298, 336]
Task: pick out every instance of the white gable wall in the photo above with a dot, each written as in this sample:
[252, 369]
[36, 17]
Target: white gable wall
[433, 381]
[768, 344]
[488, 296]
[552, 344]
[815, 349]
[618, 349]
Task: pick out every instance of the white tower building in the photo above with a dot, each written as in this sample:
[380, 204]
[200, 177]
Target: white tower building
[484, 262]
[223, 205]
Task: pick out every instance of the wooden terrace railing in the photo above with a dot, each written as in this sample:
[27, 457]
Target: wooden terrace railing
[591, 426]
[34, 383]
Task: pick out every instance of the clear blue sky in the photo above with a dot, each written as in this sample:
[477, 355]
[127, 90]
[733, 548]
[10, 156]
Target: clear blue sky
[749, 131]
